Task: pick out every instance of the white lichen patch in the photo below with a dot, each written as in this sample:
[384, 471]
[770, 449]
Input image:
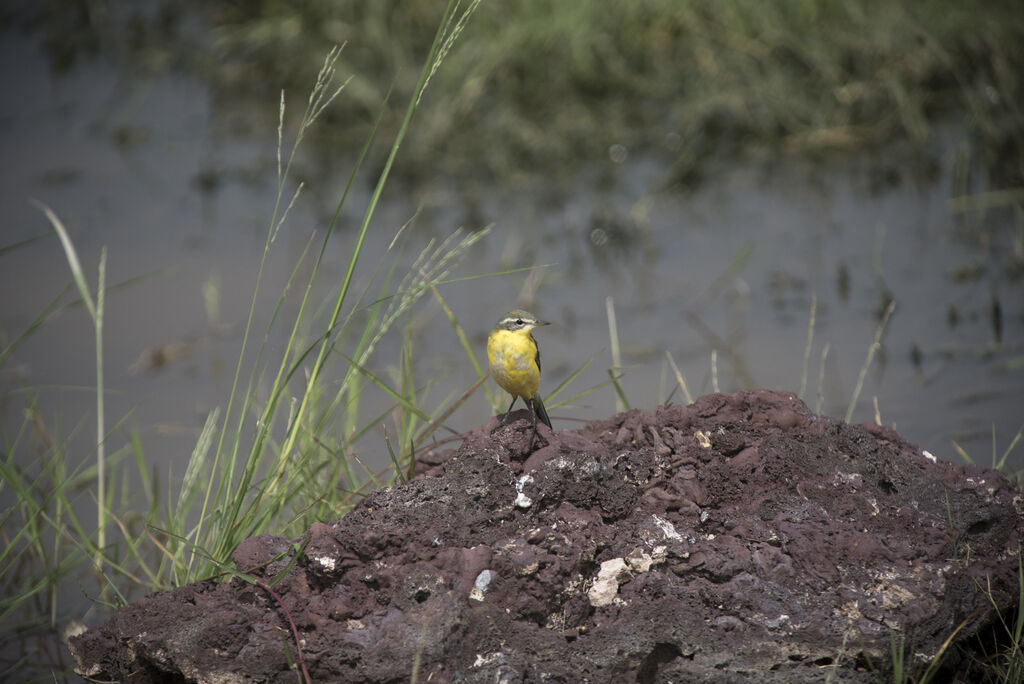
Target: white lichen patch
[850, 610]
[480, 585]
[488, 659]
[667, 528]
[852, 480]
[775, 623]
[328, 563]
[523, 501]
[604, 591]
[874, 506]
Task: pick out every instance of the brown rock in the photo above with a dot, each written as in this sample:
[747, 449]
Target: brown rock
[626, 551]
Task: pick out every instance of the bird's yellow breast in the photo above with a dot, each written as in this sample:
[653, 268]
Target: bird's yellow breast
[513, 358]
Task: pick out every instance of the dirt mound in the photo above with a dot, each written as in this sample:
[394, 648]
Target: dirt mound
[740, 537]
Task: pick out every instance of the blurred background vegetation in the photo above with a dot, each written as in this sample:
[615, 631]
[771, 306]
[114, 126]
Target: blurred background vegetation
[541, 86]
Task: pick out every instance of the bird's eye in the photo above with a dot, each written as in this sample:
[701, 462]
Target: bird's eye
[519, 321]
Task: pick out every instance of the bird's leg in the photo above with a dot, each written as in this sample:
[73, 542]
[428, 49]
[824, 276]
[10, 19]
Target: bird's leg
[504, 418]
[533, 414]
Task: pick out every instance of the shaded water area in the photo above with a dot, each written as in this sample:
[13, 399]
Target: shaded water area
[723, 275]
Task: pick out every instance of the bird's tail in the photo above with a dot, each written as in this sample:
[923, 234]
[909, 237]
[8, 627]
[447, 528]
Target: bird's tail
[542, 413]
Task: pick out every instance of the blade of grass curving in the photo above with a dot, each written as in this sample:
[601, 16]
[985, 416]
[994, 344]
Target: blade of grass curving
[620, 394]
[149, 481]
[613, 334]
[225, 490]
[359, 434]
[714, 370]
[323, 341]
[195, 464]
[808, 346]
[724, 279]
[819, 400]
[713, 340]
[393, 457]
[95, 308]
[585, 393]
[233, 519]
[1013, 443]
[897, 651]
[27, 540]
[491, 274]
[993, 426]
[963, 453]
[680, 381]
[940, 655]
[433, 285]
[549, 401]
[138, 558]
[876, 344]
[467, 347]
[352, 383]
[254, 515]
[290, 365]
[371, 477]
[45, 315]
[443, 416]
[670, 397]
[1016, 655]
[71, 255]
[238, 494]
[57, 306]
[439, 47]
[409, 420]
[449, 38]
[27, 242]
[368, 215]
[348, 388]
[399, 398]
[431, 266]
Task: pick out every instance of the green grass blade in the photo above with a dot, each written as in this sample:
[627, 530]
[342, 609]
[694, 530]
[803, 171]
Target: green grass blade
[876, 344]
[963, 453]
[549, 401]
[1013, 444]
[622, 401]
[808, 346]
[680, 381]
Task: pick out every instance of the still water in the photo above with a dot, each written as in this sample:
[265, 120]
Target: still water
[723, 277]
[731, 267]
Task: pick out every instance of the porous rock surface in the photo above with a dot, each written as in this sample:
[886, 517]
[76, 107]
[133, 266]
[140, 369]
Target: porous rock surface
[740, 538]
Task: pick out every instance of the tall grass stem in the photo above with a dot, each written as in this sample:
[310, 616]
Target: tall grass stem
[876, 344]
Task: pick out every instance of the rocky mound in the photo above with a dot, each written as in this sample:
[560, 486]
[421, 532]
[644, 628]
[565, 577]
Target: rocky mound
[738, 538]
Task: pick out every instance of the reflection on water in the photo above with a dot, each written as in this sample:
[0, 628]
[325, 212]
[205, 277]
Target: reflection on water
[731, 268]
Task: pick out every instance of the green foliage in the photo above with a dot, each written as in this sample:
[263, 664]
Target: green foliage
[538, 82]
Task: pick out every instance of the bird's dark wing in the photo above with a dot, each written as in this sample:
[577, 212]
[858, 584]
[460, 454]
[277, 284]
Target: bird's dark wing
[536, 356]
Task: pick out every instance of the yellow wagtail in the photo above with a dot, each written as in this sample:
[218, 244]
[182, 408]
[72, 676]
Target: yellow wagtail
[515, 363]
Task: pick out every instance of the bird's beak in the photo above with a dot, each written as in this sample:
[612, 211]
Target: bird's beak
[542, 323]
